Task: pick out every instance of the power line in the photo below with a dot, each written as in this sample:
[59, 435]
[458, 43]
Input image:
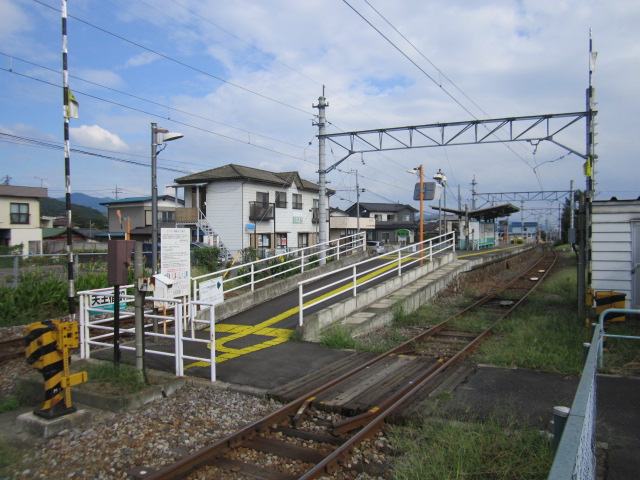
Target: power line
[153, 102]
[171, 59]
[77, 92]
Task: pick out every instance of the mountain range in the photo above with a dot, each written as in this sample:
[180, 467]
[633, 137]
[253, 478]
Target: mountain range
[88, 201]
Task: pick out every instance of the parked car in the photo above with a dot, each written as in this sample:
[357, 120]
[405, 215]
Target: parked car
[375, 248]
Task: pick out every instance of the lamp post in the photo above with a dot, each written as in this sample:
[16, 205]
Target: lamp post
[155, 141]
[442, 180]
[420, 171]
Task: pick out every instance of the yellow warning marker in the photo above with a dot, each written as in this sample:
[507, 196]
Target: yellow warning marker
[48, 350]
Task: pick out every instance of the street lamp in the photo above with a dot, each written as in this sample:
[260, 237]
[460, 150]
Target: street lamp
[442, 180]
[155, 141]
[419, 170]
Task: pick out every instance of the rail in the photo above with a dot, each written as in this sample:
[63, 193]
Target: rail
[400, 259]
[315, 462]
[248, 275]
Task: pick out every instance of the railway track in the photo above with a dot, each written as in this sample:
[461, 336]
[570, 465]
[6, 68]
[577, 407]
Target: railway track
[10, 349]
[311, 443]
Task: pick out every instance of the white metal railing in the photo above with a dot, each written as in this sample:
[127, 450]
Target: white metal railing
[98, 332]
[249, 274]
[352, 279]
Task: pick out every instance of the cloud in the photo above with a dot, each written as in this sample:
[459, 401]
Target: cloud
[106, 78]
[144, 58]
[97, 137]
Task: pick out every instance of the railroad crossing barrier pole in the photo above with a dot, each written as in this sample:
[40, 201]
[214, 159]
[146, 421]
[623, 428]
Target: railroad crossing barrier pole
[48, 350]
[560, 415]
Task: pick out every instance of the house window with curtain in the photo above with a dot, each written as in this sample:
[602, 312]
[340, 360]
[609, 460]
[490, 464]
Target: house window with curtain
[19, 213]
[297, 201]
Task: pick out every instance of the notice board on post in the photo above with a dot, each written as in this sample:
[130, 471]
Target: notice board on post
[175, 259]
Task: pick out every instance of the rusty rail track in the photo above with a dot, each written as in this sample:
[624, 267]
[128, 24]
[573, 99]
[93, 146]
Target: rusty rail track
[10, 349]
[281, 432]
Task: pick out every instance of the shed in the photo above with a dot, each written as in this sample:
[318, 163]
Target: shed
[615, 262]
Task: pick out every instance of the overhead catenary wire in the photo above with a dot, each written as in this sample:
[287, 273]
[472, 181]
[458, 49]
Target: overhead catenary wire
[179, 62]
[78, 92]
[153, 102]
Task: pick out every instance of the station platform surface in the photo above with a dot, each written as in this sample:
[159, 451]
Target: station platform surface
[527, 394]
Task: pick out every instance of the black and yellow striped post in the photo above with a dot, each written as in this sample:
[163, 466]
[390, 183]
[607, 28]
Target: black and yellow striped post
[48, 350]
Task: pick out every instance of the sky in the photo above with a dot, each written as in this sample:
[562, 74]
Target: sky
[240, 80]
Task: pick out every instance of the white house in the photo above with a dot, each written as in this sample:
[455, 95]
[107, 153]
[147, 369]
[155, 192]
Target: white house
[615, 262]
[235, 207]
[20, 217]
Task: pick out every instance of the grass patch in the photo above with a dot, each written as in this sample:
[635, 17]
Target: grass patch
[338, 337]
[544, 334]
[8, 404]
[622, 355]
[121, 380]
[495, 449]
[9, 456]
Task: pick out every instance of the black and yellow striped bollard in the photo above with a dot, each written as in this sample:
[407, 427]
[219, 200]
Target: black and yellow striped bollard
[48, 350]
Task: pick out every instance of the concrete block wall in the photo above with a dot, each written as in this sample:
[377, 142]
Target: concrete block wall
[315, 323]
[375, 308]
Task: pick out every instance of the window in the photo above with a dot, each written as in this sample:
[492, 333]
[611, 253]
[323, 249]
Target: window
[378, 217]
[303, 240]
[297, 201]
[262, 197]
[20, 213]
[166, 217]
[264, 240]
[406, 218]
[390, 218]
[281, 240]
[281, 199]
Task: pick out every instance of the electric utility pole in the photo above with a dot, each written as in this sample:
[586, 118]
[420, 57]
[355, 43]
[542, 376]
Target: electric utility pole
[322, 176]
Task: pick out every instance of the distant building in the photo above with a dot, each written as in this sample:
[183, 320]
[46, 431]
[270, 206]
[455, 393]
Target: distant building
[134, 214]
[20, 217]
[389, 218]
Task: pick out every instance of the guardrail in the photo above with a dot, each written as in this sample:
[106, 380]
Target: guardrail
[247, 275]
[399, 259]
[575, 456]
[99, 332]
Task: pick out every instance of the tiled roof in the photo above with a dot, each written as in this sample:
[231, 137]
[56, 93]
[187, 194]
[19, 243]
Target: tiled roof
[240, 172]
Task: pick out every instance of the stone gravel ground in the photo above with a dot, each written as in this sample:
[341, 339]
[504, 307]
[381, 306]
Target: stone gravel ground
[163, 431]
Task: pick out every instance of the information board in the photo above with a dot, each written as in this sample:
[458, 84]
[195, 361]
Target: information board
[175, 258]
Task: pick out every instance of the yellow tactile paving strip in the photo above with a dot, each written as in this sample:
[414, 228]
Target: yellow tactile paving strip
[279, 335]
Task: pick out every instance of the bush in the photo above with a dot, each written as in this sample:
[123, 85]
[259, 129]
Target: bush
[206, 257]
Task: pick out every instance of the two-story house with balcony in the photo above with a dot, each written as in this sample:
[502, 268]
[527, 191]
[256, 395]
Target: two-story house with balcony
[235, 207]
[20, 217]
[389, 218]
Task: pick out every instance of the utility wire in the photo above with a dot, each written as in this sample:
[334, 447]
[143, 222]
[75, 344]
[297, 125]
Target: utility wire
[431, 78]
[159, 116]
[9, 138]
[249, 132]
[171, 59]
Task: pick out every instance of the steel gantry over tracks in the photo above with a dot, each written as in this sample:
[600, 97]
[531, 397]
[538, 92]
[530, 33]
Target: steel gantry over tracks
[497, 130]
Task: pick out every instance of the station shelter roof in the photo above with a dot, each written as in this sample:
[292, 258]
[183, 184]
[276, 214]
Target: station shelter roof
[488, 213]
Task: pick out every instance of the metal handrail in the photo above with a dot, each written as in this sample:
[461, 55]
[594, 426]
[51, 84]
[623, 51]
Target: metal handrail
[258, 271]
[425, 250]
